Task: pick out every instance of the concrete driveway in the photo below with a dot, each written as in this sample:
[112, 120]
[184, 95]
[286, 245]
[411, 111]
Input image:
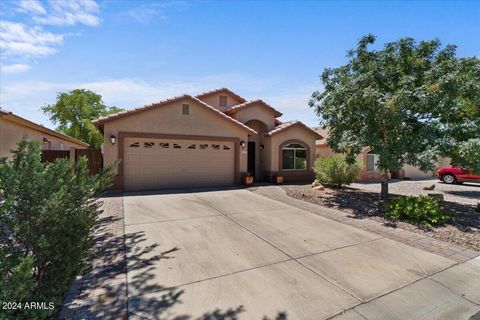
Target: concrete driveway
[232, 254]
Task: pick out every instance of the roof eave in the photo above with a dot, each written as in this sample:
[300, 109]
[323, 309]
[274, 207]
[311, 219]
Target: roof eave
[10, 116]
[101, 121]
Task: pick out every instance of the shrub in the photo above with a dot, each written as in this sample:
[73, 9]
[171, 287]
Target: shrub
[422, 210]
[47, 216]
[335, 171]
[478, 207]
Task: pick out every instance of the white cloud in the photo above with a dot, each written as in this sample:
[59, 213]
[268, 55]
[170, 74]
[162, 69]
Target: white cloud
[62, 12]
[17, 39]
[15, 68]
[22, 41]
[146, 12]
[31, 6]
[294, 104]
[26, 98]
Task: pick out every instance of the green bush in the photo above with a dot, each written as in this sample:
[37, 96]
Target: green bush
[478, 207]
[47, 216]
[422, 210]
[335, 171]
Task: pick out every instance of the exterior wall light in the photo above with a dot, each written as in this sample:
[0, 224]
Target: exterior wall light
[262, 147]
[45, 140]
[113, 139]
[243, 144]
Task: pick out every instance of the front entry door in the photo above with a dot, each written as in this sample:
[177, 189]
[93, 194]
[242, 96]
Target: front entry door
[251, 158]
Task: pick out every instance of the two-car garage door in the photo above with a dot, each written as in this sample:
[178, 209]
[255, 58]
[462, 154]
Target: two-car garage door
[175, 163]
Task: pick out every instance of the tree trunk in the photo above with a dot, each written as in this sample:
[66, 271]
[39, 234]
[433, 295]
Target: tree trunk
[384, 192]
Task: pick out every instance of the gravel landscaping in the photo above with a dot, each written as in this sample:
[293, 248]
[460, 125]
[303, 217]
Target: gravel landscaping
[466, 193]
[362, 200]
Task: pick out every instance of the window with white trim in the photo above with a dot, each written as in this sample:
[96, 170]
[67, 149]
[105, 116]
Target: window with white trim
[371, 162]
[294, 157]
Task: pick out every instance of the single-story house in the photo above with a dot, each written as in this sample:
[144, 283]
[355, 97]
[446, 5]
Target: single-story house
[211, 139]
[14, 128]
[368, 160]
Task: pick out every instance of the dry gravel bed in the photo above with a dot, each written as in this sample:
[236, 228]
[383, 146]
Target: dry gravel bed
[466, 193]
[463, 230]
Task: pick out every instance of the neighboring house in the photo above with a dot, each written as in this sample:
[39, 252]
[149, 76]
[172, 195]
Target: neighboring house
[367, 160]
[13, 129]
[212, 139]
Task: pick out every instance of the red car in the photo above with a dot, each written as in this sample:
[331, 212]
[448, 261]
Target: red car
[457, 175]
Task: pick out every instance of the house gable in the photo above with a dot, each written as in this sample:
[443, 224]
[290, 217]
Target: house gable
[221, 99]
[255, 110]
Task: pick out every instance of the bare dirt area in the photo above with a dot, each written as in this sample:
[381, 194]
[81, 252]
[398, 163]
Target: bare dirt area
[462, 230]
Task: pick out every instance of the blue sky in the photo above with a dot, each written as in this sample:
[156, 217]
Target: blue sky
[139, 52]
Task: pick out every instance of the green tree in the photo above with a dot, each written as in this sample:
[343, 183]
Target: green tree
[47, 215]
[73, 112]
[398, 101]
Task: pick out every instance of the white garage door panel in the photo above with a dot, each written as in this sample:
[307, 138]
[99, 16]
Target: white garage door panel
[159, 167]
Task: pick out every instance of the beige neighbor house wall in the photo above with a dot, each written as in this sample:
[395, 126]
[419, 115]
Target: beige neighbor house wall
[407, 171]
[13, 129]
[294, 134]
[169, 120]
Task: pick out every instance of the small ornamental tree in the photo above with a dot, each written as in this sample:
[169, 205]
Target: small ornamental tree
[47, 215]
[407, 102]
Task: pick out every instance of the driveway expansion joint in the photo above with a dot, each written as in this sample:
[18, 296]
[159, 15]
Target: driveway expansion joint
[210, 278]
[282, 251]
[170, 220]
[454, 292]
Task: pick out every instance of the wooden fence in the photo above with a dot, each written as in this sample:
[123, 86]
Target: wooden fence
[52, 155]
[94, 157]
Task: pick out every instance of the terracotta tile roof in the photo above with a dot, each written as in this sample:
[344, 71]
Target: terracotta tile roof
[247, 104]
[8, 115]
[220, 90]
[289, 124]
[102, 120]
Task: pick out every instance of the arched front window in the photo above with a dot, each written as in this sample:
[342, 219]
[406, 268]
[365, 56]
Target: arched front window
[294, 157]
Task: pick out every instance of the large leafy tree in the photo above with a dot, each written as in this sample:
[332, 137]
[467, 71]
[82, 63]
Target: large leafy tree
[73, 112]
[457, 93]
[409, 102]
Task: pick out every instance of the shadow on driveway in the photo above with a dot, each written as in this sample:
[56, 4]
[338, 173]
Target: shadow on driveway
[103, 293]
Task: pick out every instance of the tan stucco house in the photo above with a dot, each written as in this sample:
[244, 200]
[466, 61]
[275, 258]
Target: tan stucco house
[368, 159]
[211, 139]
[14, 128]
